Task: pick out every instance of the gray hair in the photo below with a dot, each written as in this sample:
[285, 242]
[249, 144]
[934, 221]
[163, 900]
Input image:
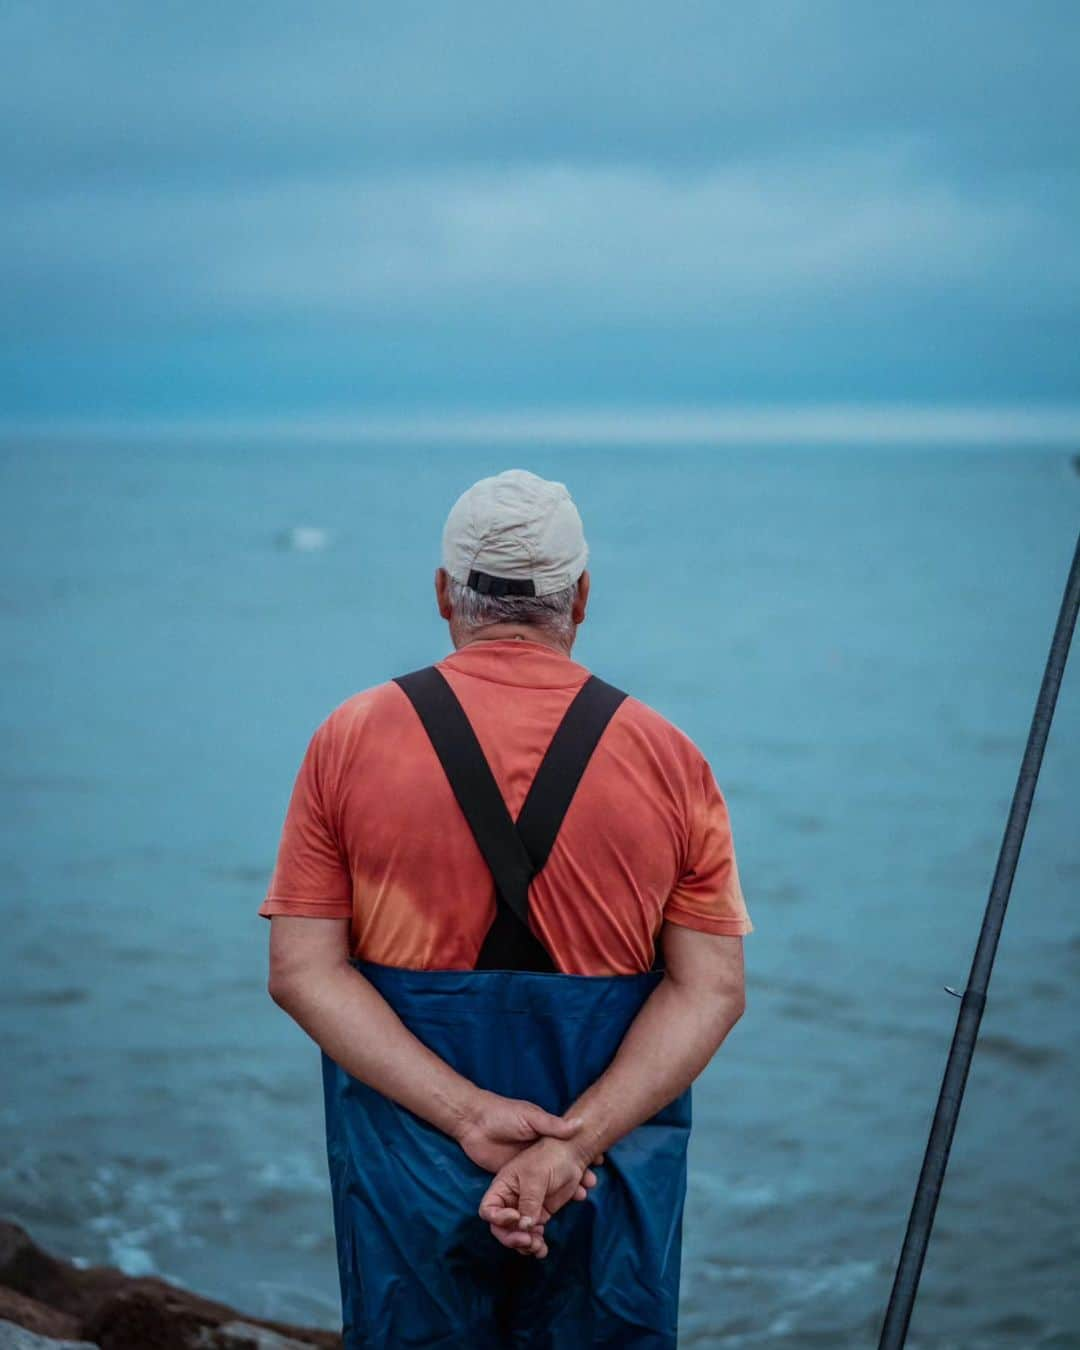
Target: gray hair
[552, 612]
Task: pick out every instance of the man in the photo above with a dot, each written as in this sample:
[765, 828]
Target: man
[506, 907]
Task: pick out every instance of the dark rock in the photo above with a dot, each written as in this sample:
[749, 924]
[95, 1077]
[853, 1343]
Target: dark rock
[123, 1312]
[15, 1337]
[146, 1317]
[35, 1316]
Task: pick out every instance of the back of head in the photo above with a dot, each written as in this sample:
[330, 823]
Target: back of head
[514, 551]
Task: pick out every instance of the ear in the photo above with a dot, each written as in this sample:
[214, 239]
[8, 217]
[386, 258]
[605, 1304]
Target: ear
[442, 592]
[581, 600]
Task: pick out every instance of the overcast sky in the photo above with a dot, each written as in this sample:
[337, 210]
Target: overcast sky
[252, 209]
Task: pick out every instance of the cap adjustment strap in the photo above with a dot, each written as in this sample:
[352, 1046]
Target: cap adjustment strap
[486, 584]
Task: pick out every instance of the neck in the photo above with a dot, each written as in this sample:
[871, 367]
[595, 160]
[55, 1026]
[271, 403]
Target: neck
[496, 632]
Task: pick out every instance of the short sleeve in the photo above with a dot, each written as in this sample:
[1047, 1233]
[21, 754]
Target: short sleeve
[311, 876]
[708, 895]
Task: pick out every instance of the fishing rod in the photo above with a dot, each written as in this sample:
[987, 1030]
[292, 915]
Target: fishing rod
[973, 1000]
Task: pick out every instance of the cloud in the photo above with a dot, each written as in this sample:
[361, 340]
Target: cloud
[610, 244]
[198, 90]
[805, 181]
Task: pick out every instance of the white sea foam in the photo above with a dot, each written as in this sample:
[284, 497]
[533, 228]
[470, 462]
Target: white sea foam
[305, 539]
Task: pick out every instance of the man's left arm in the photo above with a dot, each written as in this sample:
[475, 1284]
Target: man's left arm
[679, 1028]
[675, 1034]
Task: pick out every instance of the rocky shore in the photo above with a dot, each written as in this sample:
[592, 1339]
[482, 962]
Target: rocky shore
[49, 1304]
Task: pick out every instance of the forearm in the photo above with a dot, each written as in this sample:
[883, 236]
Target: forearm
[351, 1021]
[676, 1033]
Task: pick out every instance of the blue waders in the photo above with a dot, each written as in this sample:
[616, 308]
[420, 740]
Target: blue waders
[418, 1267]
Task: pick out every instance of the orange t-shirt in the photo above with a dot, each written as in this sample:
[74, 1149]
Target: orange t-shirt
[374, 833]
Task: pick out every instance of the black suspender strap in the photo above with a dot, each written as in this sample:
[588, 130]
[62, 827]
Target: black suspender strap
[559, 774]
[514, 853]
[477, 793]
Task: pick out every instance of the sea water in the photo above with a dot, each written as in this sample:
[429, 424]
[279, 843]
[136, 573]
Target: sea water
[854, 638]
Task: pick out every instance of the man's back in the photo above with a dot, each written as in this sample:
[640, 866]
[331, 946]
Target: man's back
[374, 833]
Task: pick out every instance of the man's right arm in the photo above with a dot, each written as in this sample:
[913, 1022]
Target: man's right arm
[678, 1030]
[312, 979]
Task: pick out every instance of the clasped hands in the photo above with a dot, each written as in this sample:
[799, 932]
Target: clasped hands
[540, 1162]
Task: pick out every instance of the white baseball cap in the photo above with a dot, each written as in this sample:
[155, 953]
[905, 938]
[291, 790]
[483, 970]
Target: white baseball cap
[515, 534]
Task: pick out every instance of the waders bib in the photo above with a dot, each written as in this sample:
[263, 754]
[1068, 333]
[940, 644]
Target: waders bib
[417, 1266]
